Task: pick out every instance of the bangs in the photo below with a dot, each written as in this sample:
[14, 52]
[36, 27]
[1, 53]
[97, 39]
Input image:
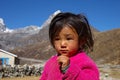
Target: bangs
[55, 29]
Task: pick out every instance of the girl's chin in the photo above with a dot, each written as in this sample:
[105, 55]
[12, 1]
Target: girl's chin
[63, 54]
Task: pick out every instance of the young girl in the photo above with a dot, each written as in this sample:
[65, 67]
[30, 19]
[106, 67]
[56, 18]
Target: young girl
[71, 37]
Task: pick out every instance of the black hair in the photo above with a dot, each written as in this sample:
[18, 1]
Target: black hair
[77, 21]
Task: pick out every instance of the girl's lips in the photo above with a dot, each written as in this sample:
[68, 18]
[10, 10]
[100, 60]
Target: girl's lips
[64, 51]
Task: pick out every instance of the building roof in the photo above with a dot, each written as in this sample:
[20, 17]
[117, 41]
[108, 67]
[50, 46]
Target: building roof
[1, 50]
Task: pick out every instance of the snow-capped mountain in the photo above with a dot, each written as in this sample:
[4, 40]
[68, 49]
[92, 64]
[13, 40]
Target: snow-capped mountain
[2, 25]
[32, 29]
[28, 29]
[8, 30]
[10, 39]
[47, 22]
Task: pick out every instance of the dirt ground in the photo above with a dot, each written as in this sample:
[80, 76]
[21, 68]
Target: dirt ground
[24, 78]
[107, 73]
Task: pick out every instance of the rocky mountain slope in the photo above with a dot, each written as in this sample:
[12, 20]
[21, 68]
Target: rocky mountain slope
[107, 47]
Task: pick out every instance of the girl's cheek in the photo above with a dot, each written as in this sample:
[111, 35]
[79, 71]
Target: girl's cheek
[73, 49]
[56, 47]
[73, 52]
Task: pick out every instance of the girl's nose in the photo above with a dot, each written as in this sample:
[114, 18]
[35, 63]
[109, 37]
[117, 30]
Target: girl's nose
[63, 44]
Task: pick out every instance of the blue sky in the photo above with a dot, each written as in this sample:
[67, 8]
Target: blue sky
[102, 14]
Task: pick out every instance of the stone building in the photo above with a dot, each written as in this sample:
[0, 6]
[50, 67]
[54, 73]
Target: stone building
[8, 58]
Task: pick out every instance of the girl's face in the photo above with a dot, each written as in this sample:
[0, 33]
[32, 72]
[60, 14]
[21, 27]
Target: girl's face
[66, 42]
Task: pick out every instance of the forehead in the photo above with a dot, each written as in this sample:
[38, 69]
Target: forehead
[67, 30]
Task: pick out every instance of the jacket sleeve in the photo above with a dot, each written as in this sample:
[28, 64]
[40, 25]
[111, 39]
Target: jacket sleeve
[83, 72]
[88, 73]
[44, 73]
[43, 76]
[49, 66]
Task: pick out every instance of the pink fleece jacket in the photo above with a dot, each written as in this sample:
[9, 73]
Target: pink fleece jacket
[81, 67]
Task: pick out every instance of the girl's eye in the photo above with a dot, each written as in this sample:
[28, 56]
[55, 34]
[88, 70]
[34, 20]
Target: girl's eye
[69, 38]
[56, 39]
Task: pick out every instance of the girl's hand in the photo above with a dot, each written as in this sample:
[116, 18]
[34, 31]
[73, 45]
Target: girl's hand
[63, 61]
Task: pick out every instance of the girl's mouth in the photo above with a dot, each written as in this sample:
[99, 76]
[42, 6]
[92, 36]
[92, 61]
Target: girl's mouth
[64, 51]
